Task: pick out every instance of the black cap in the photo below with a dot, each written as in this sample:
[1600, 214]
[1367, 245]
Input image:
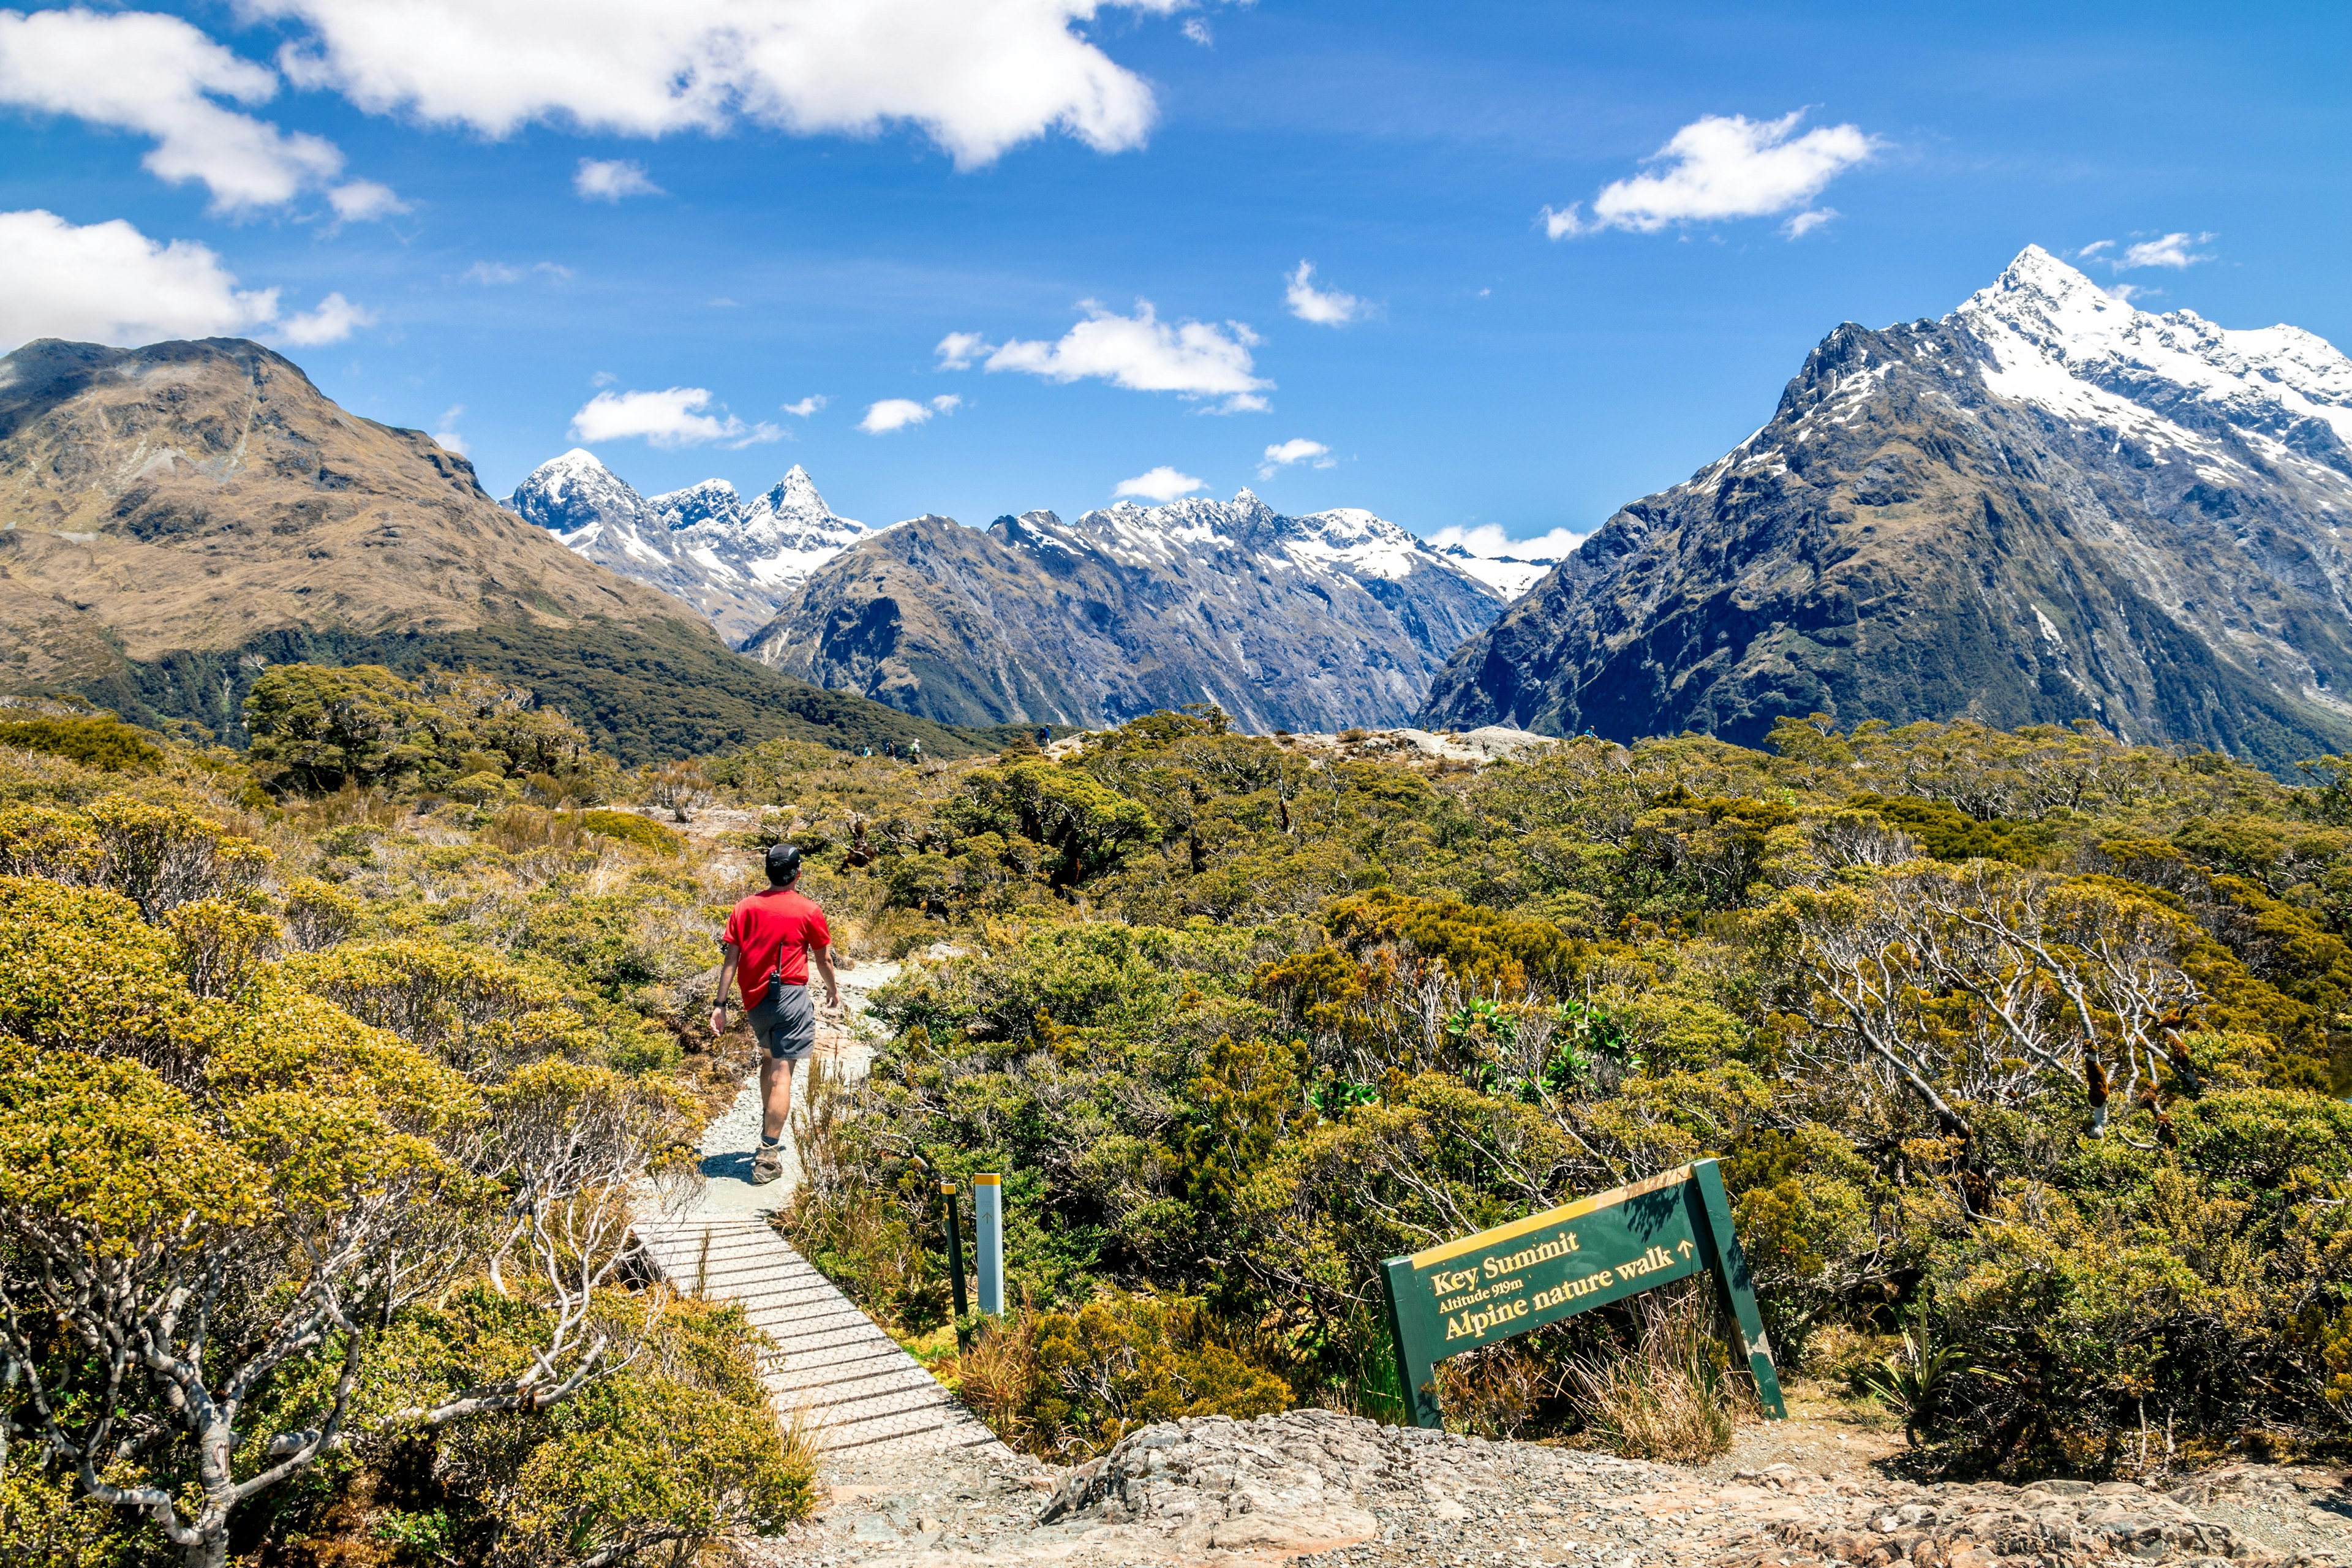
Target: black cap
[783, 862]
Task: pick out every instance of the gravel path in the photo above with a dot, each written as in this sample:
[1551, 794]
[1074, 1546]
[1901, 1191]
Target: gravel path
[729, 1143]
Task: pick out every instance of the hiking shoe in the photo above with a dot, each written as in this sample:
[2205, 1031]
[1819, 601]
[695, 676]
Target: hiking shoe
[767, 1165]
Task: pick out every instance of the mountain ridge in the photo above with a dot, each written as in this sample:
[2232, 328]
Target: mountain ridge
[734, 561]
[2044, 507]
[1316, 622]
[175, 518]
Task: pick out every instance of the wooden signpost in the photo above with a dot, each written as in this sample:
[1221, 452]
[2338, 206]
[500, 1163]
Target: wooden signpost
[1461, 1295]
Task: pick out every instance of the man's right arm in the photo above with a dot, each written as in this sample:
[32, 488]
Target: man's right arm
[728, 957]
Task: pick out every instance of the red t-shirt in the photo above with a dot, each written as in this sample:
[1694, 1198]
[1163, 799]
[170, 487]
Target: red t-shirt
[771, 933]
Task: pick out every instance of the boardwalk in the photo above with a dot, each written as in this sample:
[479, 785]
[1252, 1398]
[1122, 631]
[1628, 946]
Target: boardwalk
[857, 1388]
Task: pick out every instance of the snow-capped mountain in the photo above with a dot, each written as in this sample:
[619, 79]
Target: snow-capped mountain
[733, 561]
[1507, 575]
[1307, 622]
[2054, 339]
[2049, 505]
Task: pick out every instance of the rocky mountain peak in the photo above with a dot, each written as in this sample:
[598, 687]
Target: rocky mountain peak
[1313, 622]
[702, 543]
[574, 492]
[2049, 506]
[792, 518]
[796, 492]
[2036, 274]
[709, 501]
[2054, 338]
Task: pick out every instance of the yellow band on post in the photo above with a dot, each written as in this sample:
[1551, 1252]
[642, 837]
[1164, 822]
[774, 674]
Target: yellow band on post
[987, 1181]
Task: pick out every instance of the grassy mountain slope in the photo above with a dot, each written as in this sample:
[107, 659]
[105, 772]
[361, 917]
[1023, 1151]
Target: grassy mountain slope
[173, 518]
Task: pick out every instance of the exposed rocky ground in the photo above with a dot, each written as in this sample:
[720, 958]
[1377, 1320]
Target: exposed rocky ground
[1318, 1487]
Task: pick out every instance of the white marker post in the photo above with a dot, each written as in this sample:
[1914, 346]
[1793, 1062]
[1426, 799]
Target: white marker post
[988, 1237]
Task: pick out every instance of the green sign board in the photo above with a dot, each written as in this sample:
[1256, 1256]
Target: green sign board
[1487, 1288]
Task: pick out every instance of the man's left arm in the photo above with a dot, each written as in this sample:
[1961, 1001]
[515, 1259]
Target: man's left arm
[821, 954]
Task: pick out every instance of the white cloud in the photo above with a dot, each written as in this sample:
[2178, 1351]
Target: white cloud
[948, 401]
[1194, 359]
[108, 283]
[677, 417]
[1805, 223]
[2166, 250]
[1324, 307]
[1284, 454]
[335, 320]
[1724, 166]
[604, 378]
[978, 76]
[610, 179]
[2177, 250]
[892, 414]
[492, 273]
[447, 435]
[1198, 31]
[1486, 539]
[362, 201]
[2127, 291]
[958, 350]
[1162, 483]
[807, 406]
[158, 77]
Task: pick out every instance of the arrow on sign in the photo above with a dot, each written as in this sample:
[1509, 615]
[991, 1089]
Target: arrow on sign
[1683, 1247]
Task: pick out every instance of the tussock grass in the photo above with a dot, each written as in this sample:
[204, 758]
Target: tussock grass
[1674, 1395]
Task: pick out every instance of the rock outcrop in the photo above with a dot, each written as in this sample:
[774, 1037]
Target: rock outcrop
[1318, 1487]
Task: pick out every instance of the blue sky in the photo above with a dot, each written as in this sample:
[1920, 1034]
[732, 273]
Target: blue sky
[1492, 372]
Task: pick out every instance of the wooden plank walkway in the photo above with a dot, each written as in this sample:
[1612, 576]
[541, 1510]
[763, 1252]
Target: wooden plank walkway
[855, 1384]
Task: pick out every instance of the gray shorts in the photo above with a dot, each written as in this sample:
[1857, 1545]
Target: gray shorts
[784, 1022]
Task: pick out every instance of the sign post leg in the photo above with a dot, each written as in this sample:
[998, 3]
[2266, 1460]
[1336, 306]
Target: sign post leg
[1416, 1370]
[1737, 1287]
[955, 1247]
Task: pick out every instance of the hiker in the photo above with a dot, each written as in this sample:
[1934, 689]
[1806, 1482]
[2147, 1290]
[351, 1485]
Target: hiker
[766, 949]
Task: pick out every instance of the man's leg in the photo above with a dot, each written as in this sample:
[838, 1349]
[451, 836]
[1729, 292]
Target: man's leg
[775, 1096]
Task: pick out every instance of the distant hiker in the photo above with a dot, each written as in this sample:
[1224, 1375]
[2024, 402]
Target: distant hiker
[915, 751]
[1045, 737]
[766, 949]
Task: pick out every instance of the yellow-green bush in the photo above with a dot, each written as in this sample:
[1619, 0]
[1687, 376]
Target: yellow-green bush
[1069, 1384]
[630, 829]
